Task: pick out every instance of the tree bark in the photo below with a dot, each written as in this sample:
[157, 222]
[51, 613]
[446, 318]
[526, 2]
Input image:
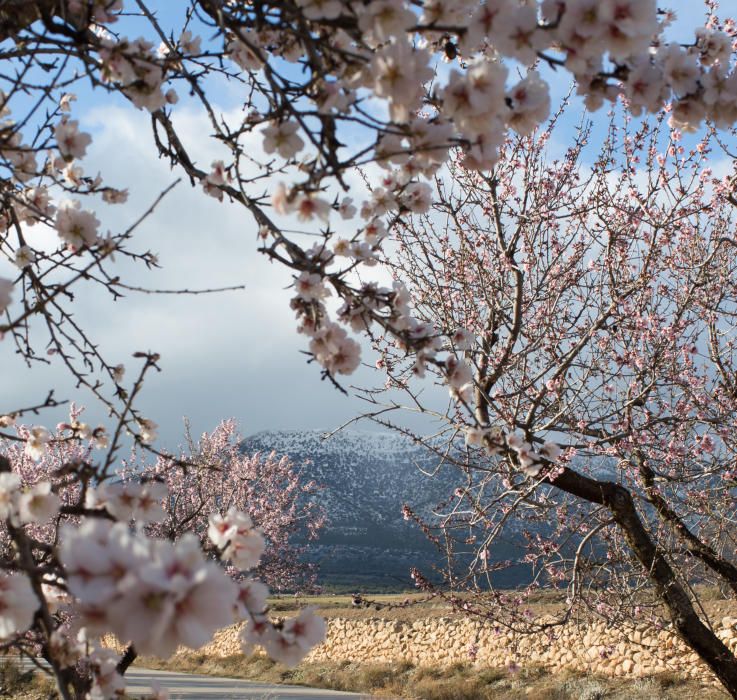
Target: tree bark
[695, 546]
[685, 620]
[129, 656]
[16, 15]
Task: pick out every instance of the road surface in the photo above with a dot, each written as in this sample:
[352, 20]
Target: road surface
[186, 686]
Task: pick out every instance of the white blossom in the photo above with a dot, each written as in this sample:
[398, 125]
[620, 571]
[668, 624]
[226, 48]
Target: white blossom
[463, 339]
[38, 504]
[242, 543]
[9, 488]
[176, 598]
[18, 604]
[118, 373]
[517, 34]
[141, 502]
[76, 226]
[310, 287]
[417, 197]
[320, 9]
[334, 350]
[148, 430]
[346, 209]
[155, 593]
[384, 19]
[71, 142]
[714, 46]
[681, 69]
[308, 206]
[189, 44]
[24, 257]
[252, 596]
[398, 72]
[530, 103]
[298, 635]
[283, 138]
[37, 442]
[245, 55]
[107, 682]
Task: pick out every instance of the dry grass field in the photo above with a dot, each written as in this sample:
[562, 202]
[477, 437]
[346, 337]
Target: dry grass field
[405, 680]
[409, 607]
[458, 682]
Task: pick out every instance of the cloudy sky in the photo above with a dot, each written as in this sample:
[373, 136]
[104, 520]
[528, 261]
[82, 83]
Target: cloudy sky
[232, 354]
[228, 354]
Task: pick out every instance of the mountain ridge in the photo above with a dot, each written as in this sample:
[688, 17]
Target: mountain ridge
[365, 479]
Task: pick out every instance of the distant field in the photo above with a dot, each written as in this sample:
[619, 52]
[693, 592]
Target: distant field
[410, 606]
[392, 606]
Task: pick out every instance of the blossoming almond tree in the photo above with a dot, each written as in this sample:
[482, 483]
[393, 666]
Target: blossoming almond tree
[155, 560]
[212, 474]
[327, 85]
[588, 313]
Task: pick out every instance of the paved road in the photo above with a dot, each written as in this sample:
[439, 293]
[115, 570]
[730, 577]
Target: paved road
[186, 686]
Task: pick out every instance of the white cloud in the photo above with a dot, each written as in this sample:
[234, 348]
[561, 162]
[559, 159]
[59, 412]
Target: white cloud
[235, 353]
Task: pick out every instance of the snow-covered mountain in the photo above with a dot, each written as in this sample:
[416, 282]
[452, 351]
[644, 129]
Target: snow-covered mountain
[366, 478]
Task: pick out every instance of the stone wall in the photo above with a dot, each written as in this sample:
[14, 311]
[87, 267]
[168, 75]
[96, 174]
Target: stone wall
[593, 648]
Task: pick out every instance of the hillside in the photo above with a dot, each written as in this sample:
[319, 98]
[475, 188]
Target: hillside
[366, 478]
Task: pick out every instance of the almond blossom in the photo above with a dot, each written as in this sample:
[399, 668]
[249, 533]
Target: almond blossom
[24, 257]
[18, 604]
[246, 55]
[283, 138]
[309, 206]
[108, 683]
[252, 595]
[9, 488]
[38, 504]
[148, 430]
[37, 442]
[77, 227]
[175, 598]
[132, 501]
[297, 636]
[334, 350]
[242, 543]
[156, 594]
[71, 142]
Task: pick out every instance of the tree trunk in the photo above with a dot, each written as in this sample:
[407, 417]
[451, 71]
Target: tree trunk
[697, 548]
[687, 623]
[129, 656]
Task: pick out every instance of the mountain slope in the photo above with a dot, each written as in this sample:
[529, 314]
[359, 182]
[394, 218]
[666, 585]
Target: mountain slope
[366, 478]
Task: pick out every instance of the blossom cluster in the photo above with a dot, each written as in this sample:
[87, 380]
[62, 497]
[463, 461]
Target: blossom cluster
[236, 536]
[131, 500]
[613, 49]
[525, 458]
[154, 593]
[19, 604]
[105, 571]
[34, 504]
